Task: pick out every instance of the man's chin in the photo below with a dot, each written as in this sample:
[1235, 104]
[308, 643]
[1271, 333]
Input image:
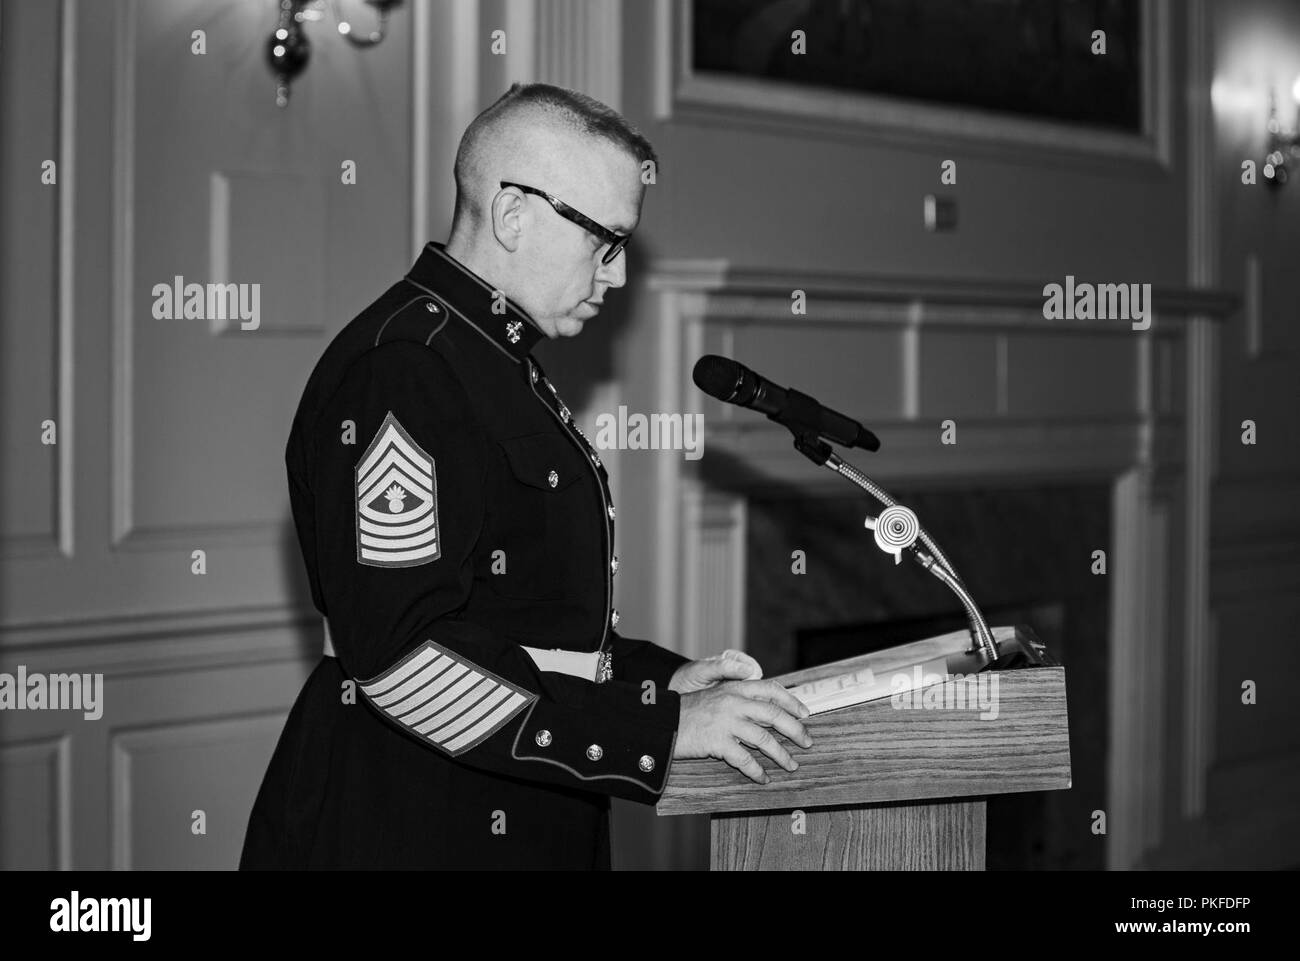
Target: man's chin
[568, 326]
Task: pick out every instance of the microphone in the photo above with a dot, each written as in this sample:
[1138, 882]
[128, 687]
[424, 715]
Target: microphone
[735, 383]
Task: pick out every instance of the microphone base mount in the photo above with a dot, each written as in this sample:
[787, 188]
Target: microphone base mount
[936, 562]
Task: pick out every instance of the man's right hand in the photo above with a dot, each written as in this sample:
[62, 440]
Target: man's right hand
[717, 723]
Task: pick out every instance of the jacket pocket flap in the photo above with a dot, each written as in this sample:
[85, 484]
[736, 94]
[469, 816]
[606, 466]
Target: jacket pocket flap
[543, 461]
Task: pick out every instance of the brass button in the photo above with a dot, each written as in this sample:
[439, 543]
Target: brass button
[613, 565]
[595, 752]
[431, 307]
[542, 737]
[611, 511]
[613, 619]
[552, 478]
[647, 763]
[532, 372]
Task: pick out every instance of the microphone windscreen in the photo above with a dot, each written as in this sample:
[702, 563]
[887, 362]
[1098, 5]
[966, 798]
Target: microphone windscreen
[717, 376]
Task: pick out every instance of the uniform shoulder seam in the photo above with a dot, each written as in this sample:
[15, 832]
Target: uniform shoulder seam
[423, 296]
[426, 352]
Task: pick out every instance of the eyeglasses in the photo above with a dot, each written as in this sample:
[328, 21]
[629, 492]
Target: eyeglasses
[616, 241]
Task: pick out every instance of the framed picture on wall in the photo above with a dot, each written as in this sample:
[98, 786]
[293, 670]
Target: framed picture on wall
[1086, 79]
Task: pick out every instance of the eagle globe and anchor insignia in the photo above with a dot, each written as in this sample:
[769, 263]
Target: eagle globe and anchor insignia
[397, 501]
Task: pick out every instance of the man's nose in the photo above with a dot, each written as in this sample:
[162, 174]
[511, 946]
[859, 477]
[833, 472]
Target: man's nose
[615, 274]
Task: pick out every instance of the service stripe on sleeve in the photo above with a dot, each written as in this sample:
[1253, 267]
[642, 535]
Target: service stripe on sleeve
[512, 705]
[444, 698]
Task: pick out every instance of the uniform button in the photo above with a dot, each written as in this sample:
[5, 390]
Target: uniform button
[595, 459]
[595, 752]
[613, 565]
[647, 763]
[613, 619]
[542, 737]
[611, 511]
[532, 372]
[552, 478]
[430, 307]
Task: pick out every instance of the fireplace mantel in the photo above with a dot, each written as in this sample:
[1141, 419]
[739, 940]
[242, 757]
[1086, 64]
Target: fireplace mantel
[726, 281]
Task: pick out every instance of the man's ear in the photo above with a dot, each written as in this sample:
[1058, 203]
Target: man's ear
[508, 216]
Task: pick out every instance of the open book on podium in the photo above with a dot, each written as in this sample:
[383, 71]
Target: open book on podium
[907, 744]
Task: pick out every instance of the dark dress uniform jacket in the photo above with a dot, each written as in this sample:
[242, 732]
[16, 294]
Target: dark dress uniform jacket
[450, 514]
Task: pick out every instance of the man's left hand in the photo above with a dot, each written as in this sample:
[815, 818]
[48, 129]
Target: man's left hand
[730, 665]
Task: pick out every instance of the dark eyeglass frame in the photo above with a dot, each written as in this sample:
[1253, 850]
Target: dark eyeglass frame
[616, 241]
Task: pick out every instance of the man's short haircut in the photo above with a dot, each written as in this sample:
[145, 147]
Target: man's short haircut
[568, 108]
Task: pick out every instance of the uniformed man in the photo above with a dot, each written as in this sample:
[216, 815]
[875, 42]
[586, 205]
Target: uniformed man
[478, 707]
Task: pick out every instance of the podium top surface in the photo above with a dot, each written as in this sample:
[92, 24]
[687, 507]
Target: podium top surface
[978, 733]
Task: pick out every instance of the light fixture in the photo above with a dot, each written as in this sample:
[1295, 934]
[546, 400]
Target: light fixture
[288, 50]
[1283, 145]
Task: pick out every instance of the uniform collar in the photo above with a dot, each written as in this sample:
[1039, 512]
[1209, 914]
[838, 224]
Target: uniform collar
[472, 297]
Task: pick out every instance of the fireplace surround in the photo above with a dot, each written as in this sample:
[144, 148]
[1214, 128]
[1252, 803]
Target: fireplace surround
[1023, 444]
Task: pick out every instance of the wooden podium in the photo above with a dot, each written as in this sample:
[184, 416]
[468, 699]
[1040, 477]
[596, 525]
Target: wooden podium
[888, 788]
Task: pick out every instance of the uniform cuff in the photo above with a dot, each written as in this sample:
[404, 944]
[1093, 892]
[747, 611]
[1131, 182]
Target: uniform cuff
[616, 742]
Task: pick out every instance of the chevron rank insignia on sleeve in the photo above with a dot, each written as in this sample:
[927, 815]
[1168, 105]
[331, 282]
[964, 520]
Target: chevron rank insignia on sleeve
[445, 699]
[397, 501]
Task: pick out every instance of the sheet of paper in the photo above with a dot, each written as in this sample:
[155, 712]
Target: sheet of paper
[862, 685]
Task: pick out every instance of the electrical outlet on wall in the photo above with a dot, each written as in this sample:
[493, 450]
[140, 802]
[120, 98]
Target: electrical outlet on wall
[940, 213]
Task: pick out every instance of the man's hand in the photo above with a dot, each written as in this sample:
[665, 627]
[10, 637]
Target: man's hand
[717, 723]
[730, 665]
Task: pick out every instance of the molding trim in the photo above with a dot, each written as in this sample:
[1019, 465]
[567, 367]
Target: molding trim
[721, 280]
[102, 638]
[224, 192]
[421, 94]
[189, 734]
[579, 46]
[67, 273]
[445, 59]
[1201, 405]
[57, 752]
[713, 571]
[1139, 583]
[124, 532]
[61, 542]
[235, 535]
[676, 541]
[520, 63]
[122, 469]
[775, 107]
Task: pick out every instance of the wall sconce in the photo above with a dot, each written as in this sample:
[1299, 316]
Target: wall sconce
[288, 50]
[1283, 144]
